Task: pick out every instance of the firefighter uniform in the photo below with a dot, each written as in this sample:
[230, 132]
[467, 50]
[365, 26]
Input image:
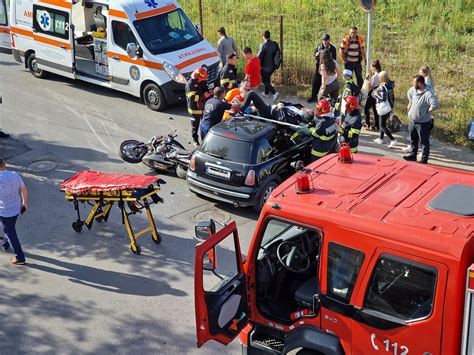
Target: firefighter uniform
[195, 91]
[350, 129]
[324, 136]
[228, 77]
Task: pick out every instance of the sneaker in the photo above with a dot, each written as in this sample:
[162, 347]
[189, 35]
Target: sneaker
[378, 141]
[4, 135]
[410, 157]
[15, 261]
[407, 149]
[265, 95]
[276, 96]
[392, 144]
[6, 246]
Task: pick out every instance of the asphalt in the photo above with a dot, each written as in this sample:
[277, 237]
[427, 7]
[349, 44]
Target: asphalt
[87, 293]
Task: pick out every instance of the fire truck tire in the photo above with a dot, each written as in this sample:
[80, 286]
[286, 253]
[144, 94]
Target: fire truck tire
[33, 67]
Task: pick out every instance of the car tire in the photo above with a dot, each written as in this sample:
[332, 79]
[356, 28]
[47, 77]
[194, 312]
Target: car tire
[265, 194]
[33, 67]
[154, 97]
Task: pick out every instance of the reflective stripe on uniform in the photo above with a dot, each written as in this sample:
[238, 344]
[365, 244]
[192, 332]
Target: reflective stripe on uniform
[196, 98]
[355, 131]
[318, 154]
[195, 112]
[191, 93]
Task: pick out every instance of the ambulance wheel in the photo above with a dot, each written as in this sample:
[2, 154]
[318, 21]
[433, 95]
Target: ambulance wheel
[154, 97]
[264, 195]
[33, 67]
[158, 240]
[77, 226]
[135, 248]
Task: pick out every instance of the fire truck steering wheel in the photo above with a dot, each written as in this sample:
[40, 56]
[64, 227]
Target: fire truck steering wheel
[292, 258]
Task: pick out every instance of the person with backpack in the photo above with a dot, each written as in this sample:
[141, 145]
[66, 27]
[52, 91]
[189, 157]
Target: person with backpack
[225, 46]
[316, 83]
[352, 52]
[384, 109]
[268, 54]
[228, 74]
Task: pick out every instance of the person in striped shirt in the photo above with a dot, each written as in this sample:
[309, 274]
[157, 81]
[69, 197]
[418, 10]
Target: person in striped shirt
[352, 52]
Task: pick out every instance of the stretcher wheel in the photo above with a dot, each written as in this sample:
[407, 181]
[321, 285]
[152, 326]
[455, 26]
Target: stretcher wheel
[158, 239]
[135, 248]
[77, 226]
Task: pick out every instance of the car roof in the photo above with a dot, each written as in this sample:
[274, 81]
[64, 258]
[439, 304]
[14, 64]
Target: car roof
[394, 200]
[246, 129]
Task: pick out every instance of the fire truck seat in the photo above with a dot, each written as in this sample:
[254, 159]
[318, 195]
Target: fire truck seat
[304, 295]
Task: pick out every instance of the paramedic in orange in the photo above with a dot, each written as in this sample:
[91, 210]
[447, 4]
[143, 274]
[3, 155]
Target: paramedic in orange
[352, 52]
[236, 95]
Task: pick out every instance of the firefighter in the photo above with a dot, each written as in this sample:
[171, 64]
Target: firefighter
[323, 130]
[196, 95]
[228, 76]
[352, 123]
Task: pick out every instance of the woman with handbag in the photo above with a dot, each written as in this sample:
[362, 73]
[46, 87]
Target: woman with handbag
[373, 83]
[383, 108]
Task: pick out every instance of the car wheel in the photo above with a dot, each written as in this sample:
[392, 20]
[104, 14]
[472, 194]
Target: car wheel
[33, 67]
[154, 97]
[265, 194]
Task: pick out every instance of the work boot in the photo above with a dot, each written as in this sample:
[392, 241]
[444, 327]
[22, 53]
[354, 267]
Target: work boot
[409, 157]
[15, 261]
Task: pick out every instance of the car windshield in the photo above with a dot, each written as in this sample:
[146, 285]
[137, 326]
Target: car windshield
[167, 32]
[227, 148]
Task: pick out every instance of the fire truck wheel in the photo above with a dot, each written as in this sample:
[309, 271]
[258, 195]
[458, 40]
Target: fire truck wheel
[135, 248]
[265, 194]
[154, 97]
[33, 67]
[158, 240]
[77, 226]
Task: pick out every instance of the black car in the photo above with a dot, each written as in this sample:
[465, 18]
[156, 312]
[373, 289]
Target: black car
[242, 160]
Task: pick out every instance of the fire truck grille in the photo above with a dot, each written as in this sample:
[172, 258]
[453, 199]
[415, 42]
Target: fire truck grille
[272, 343]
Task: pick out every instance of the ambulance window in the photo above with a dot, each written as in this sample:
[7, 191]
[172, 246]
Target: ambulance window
[51, 21]
[344, 264]
[401, 288]
[123, 35]
[3, 13]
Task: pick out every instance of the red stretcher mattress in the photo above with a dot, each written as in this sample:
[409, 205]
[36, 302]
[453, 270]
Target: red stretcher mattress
[94, 181]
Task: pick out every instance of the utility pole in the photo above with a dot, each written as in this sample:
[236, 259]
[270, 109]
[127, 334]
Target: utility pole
[368, 6]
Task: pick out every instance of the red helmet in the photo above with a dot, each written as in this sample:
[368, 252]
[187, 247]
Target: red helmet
[200, 74]
[323, 107]
[351, 103]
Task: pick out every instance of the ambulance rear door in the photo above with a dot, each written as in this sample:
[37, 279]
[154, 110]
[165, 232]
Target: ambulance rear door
[5, 39]
[53, 34]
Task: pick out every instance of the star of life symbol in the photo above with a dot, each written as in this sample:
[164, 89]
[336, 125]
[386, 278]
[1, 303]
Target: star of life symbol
[151, 3]
[44, 20]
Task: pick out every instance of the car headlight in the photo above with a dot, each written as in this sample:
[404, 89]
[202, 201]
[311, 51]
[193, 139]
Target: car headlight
[174, 73]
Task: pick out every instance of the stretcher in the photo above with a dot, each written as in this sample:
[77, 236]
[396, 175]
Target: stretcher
[132, 193]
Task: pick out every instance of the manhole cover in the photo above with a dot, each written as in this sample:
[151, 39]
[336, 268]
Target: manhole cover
[42, 165]
[213, 213]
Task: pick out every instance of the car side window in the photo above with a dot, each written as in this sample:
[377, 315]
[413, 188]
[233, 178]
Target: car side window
[344, 265]
[122, 34]
[264, 150]
[401, 288]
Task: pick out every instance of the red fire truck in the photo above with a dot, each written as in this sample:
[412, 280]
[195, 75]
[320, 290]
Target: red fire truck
[370, 256]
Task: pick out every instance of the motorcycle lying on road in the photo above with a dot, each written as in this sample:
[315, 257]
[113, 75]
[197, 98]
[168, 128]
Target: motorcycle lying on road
[162, 153]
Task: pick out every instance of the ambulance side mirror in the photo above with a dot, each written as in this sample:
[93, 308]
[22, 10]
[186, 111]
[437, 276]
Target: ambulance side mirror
[198, 27]
[132, 50]
[204, 230]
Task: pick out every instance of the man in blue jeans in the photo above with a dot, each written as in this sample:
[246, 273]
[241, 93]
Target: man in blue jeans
[13, 201]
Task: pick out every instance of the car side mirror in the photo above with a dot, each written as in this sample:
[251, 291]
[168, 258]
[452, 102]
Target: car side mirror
[132, 50]
[204, 230]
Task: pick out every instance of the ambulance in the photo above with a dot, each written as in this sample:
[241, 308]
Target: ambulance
[147, 48]
[371, 256]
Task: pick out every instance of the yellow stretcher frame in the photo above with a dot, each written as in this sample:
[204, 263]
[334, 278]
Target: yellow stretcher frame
[102, 203]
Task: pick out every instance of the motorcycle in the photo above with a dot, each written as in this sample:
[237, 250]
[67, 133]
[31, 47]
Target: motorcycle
[161, 153]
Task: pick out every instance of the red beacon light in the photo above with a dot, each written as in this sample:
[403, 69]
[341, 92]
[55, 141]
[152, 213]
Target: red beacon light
[345, 154]
[304, 184]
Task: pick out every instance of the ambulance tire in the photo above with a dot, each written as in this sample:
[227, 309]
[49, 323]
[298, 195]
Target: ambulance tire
[154, 97]
[33, 67]
[265, 194]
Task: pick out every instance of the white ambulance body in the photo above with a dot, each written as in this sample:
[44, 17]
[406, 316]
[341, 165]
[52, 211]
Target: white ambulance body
[147, 48]
[5, 44]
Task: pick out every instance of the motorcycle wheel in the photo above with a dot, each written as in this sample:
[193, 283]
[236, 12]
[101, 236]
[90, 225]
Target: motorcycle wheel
[181, 171]
[130, 152]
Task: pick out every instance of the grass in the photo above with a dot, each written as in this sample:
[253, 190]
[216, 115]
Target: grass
[406, 35]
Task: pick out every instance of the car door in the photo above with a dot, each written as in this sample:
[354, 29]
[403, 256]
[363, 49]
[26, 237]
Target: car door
[403, 295]
[221, 308]
[53, 35]
[5, 39]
